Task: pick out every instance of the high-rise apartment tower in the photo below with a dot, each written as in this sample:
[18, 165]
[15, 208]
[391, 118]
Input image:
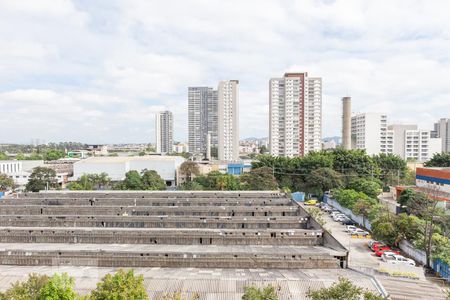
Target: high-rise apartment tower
[164, 132]
[202, 115]
[442, 130]
[295, 125]
[228, 117]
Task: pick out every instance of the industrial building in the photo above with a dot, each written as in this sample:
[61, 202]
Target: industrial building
[117, 167]
[211, 243]
[436, 182]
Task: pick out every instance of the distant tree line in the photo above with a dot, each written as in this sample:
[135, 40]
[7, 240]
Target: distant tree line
[256, 179]
[146, 180]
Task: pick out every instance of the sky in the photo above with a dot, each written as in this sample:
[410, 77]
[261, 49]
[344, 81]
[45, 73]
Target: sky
[97, 71]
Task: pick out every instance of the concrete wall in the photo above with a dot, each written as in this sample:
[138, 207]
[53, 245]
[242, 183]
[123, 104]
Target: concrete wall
[356, 218]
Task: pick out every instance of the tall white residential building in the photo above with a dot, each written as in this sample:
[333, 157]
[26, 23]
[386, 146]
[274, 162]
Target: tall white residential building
[295, 125]
[369, 132]
[203, 120]
[228, 120]
[410, 143]
[164, 132]
[442, 130]
[420, 146]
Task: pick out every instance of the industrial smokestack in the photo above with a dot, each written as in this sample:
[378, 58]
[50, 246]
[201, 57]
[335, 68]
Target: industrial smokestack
[347, 123]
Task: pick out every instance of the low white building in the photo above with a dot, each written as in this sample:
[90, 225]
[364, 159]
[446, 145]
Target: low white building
[117, 167]
[20, 171]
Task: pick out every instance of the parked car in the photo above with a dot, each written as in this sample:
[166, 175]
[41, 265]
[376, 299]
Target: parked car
[360, 232]
[377, 246]
[340, 218]
[399, 259]
[327, 208]
[348, 222]
[389, 255]
[351, 228]
[335, 212]
[370, 243]
[382, 250]
[311, 202]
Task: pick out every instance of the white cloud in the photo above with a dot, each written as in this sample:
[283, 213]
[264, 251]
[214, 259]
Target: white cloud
[97, 72]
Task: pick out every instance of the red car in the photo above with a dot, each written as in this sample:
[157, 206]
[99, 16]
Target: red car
[377, 246]
[385, 249]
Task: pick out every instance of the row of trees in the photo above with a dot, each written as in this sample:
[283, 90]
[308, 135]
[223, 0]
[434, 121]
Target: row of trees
[147, 180]
[121, 285]
[49, 154]
[318, 171]
[126, 285]
[256, 179]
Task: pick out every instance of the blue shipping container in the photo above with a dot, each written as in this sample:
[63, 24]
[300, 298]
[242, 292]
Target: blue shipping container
[298, 196]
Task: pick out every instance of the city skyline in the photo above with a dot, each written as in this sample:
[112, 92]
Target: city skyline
[97, 73]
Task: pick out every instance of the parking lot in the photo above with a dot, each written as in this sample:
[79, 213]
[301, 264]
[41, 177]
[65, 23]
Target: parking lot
[359, 254]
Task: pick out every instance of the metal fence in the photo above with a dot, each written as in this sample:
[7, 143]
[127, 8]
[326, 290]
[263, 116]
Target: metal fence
[441, 268]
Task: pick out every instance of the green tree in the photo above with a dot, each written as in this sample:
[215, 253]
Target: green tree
[369, 187]
[191, 186]
[383, 226]
[321, 180]
[227, 182]
[132, 181]
[152, 181]
[3, 156]
[348, 198]
[260, 179]
[254, 293]
[20, 156]
[343, 289]
[123, 285]
[363, 207]
[99, 181]
[408, 227]
[34, 156]
[406, 196]
[27, 290]
[6, 182]
[263, 149]
[54, 155]
[41, 178]
[392, 168]
[59, 287]
[441, 160]
[424, 205]
[189, 169]
[356, 162]
[75, 186]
